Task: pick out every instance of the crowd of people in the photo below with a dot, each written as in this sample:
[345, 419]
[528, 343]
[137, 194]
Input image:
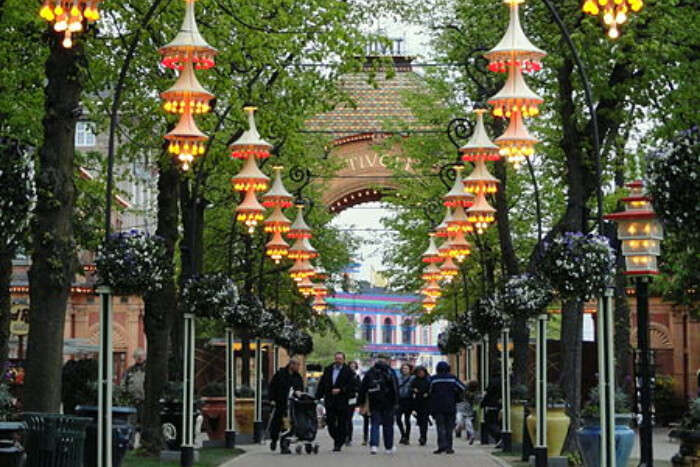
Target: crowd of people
[384, 399]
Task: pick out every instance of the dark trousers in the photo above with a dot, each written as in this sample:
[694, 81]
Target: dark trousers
[493, 426]
[365, 428]
[445, 426]
[348, 432]
[422, 420]
[337, 419]
[403, 421]
[276, 422]
[385, 419]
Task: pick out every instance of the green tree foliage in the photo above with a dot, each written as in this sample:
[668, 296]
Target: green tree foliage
[340, 338]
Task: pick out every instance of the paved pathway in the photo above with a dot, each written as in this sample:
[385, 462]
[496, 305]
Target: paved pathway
[359, 456]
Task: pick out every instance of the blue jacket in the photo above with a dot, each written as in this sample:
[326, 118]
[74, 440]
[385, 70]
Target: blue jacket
[445, 391]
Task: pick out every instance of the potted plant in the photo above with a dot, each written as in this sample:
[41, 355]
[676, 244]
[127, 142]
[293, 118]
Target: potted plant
[213, 406]
[689, 435]
[518, 400]
[245, 409]
[589, 434]
[557, 421]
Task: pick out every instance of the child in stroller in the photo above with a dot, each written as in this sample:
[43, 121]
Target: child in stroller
[303, 425]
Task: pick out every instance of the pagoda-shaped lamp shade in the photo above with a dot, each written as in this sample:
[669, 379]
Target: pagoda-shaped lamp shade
[299, 228]
[429, 303]
[640, 232]
[516, 143]
[305, 286]
[278, 194]
[250, 212]
[431, 273]
[479, 145]
[188, 45]
[277, 221]
[481, 180]
[67, 16]
[302, 249]
[459, 222]
[515, 97]
[514, 49]
[481, 215]
[457, 196]
[441, 230]
[613, 13]
[250, 177]
[444, 249]
[320, 290]
[277, 248]
[432, 289]
[448, 270]
[431, 255]
[187, 93]
[319, 304]
[186, 141]
[302, 268]
[250, 143]
[459, 247]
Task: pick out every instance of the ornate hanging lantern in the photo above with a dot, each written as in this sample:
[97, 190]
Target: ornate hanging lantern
[299, 228]
[302, 249]
[67, 16]
[479, 145]
[250, 177]
[481, 180]
[514, 49]
[457, 196]
[515, 97]
[431, 273]
[441, 230]
[459, 247]
[188, 45]
[319, 304]
[302, 268]
[431, 289]
[305, 286]
[320, 290]
[516, 143]
[448, 270]
[459, 222]
[277, 221]
[250, 212]
[187, 93]
[277, 248]
[250, 143]
[613, 13]
[431, 255]
[444, 249]
[186, 140]
[429, 303]
[481, 214]
[278, 194]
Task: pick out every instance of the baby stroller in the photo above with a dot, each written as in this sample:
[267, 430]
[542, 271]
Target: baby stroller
[303, 425]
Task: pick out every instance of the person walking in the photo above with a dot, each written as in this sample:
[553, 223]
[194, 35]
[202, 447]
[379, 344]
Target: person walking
[445, 391]
[403, 416]
[420, 391]
[286, 379]
[352, 400]
[334, 388]
[491, 405]
[381, 389]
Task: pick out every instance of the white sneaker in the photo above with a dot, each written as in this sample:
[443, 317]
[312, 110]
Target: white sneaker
[390, 451]
[373, 450]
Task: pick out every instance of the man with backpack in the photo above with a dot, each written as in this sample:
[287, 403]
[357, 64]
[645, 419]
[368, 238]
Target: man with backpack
[379, 394]
[335, 388]
[445, 391]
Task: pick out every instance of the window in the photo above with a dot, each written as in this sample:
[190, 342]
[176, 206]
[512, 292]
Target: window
[426, 335]
[84, 135]
[367, 329]
[406, 331]
[387, 331]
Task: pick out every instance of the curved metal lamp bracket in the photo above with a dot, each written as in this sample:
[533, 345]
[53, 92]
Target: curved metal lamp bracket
[431, 208]
[459, 129]
[302, 176]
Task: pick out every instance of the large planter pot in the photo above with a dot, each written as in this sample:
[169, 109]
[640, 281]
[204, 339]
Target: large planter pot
[517, 418]
[688, 454]
[589, 440]
[245, 408]
[557, 428]
[214, 412]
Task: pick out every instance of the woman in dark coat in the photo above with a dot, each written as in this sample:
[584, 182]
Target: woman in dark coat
[352, 402]
[403, 416]
[420, 389]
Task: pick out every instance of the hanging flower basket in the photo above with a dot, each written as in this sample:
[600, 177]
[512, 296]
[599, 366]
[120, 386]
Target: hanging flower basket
[270, 324]
[134, 263]
[296, 341]
[486, 316]
[673, 173]
[450, 341]
[209, 296]
[578, 265]
[526, 296]
[244, 315]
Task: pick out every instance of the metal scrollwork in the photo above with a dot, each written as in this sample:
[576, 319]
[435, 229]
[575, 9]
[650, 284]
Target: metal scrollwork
[432, 209]
[302, 176]
[448, 174]
[459, 129]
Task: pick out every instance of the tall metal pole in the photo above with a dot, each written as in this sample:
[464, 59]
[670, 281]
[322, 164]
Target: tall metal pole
[470, 376]
[606, 378]
[484, 376]
[275, 357]
[541, 392]
[645, 429]
[257, 416]
[506, 432]
[105, 372]
[187, 448]
[230, 435]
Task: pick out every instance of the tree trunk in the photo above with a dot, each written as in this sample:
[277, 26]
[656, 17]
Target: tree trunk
[53, 257]
[160, 311]
[5, 304]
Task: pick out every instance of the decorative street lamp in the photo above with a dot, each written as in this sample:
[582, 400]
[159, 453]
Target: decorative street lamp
[641, 233]
[277, 223]
[429, 303]
[301, 269]
[613, 13]
[481, 214]
[459, 247]
[67, 16]
[431, 255]
[431, 273]
[448, 270]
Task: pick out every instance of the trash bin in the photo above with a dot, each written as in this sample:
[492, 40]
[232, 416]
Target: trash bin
[122, 433]
[54, 440]
[171, 422]
[11, 454]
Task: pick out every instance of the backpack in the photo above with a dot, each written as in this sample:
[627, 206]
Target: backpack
[381, 387]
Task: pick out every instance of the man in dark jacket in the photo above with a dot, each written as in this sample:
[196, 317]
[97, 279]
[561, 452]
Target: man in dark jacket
[381, 389]
[420, 387]
[335, 388]
[445, 391]
[285, 380]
